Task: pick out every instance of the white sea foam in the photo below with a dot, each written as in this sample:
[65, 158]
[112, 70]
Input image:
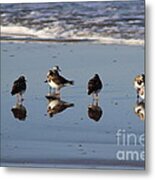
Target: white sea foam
[121, 41]
[17, 31]
[58, 33]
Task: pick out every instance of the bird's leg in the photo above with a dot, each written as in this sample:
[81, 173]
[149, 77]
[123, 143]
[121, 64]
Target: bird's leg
[97, 101]
[22, 98]
[58, 91]
[17, 98]
[138, 100]
[93, 101]
[55, 91]
[93, 95]
[138, 95]
[50, 90]
[97, 97]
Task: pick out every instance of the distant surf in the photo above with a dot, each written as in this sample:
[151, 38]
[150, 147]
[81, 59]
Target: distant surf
[100, 22]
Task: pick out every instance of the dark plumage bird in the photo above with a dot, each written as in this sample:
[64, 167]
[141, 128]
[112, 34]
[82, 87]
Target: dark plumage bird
[19, 86]
[94, 86]
[55, 80]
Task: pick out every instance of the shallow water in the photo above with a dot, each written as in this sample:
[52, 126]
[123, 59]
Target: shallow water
[70, 138]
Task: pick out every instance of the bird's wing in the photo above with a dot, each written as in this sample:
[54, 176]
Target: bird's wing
[98, 83]
[59, 79]
[16, 82]
[15, 87]
[91, 85]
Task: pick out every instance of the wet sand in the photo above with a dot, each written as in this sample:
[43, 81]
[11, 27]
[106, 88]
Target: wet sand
[70, 138]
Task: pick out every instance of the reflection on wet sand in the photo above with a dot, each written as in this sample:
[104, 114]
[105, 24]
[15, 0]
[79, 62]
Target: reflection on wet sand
[56, 105]
[139, 109]
[95, 111]
[19, 111]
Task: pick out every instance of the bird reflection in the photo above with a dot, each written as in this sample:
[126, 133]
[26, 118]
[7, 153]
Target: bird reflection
[139, 109]
[56, 105]
[19, 111]
[95, 111]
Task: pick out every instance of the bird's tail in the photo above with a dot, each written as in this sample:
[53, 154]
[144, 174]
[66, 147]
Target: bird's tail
[69, 104]
[71, 82]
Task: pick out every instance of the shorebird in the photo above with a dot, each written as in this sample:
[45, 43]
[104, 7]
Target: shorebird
[139, 85]
[94, 86]
[19, 87]
[56, 81]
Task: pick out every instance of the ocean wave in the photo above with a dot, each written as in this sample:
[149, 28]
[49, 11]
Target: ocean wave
[24, 33]
[102, 22]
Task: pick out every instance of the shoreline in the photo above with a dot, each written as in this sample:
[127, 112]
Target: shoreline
[44, 40]
[70, 42]
[102, 41]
